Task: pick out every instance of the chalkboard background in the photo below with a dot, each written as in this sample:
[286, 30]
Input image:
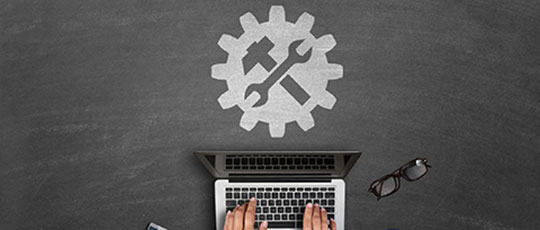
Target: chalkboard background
[102, 103]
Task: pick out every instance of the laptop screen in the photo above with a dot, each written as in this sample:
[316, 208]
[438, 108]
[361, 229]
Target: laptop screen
[241, 164]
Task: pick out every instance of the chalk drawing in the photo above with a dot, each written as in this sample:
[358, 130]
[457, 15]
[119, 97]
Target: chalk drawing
[277, 71]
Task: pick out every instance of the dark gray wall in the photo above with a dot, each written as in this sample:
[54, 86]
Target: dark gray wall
[103, 102]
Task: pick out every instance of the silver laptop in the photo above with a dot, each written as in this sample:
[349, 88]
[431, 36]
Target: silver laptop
[282, 181]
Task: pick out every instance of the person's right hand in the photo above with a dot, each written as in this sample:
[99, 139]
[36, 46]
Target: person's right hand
[316, 218]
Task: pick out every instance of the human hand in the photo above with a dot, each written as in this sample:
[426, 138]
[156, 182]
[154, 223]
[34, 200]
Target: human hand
[243, 217]
[316, 218]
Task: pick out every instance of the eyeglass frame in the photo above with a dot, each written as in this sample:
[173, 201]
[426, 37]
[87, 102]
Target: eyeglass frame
[397, 174]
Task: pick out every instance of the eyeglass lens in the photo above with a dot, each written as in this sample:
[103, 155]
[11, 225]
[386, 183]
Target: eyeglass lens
[388, 186]
[415, 171]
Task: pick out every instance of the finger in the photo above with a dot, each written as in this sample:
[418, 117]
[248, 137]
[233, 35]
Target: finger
[228, 221]
[307, 216]
[333, 225]
[239, 217]
[316, 220]
[324, 219]
[263, 226]
[249, 218]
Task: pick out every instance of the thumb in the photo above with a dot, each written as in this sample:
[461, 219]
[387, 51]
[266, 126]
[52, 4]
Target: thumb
[263, 226]
[333, 224]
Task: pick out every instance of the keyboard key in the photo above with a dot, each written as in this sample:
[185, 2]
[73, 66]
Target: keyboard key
[236, 195]
[284, 217]
[273, 210]
[281, 224]
[271, 202]
[263, 202]
[330, 202]
[320, 195]
[228, 195]
[292, 217]
[230, 203]
[265, 210]
[329, 209]
[277, 217]
[280, 210]
[278, 202]
[288, 209]
[329, 195]
[269, 217]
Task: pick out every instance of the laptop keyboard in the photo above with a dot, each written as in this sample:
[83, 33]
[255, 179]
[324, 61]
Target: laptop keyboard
[281, 162]
[282, 207]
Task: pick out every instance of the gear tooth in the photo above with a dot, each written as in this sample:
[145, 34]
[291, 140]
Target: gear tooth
[228, 43]
[276, 14]
[248, 121]
[306, 122]
[326, 100]
[326, 43]
[332, 71]
[277, 130]
[227, 100]
[221, 71]
[305, 21]
[249, 22]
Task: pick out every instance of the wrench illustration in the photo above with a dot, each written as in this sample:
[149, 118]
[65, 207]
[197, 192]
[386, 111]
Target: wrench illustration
[293, 58]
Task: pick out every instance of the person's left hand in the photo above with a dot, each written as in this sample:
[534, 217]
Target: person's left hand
[243, 217]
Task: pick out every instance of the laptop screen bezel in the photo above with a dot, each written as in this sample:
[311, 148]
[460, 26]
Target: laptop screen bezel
[202, 156]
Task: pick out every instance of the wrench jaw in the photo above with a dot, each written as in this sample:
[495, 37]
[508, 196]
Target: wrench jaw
[301, 58]
[254, 90]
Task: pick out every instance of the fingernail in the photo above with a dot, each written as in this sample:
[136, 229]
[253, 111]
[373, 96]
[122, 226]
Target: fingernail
[252, 199]
[332, 219]
[310, 205]
[228, 212]
[322, 209]
[316, 205]
[265, 224]
[237, 205]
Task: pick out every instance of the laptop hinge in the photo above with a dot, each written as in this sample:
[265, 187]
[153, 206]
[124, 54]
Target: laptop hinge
[285, 179]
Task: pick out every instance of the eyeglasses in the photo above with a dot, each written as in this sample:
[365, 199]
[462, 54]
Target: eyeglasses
[389, 184]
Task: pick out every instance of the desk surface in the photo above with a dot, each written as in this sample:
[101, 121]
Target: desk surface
[103, 102]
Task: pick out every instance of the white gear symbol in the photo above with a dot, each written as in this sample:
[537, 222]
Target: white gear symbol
[281, 107]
